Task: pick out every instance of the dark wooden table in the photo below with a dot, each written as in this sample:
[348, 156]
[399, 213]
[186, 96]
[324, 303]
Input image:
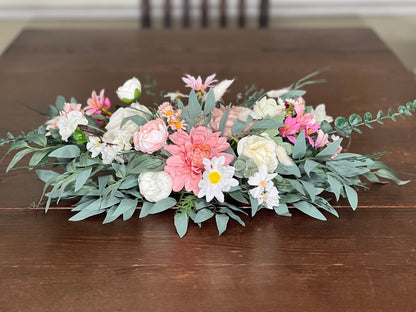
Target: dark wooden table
[366, 260]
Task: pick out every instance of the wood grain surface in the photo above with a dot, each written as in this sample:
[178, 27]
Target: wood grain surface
[363, 261]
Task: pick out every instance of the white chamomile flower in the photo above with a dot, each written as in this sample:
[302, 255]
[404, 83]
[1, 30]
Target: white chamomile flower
[95, 146]
[111, 152]
[265, 191]
[216, 179]
[69, 123]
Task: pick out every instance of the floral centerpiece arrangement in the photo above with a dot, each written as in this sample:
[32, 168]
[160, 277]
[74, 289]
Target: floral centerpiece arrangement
[198, 155]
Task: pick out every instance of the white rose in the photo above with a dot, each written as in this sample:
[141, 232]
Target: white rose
[130, 91]
[260, 149]
[129, 128]
[155, 186]
[267, 107]
[69, 123]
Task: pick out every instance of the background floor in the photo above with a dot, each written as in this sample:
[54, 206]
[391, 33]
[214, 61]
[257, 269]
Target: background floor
[397, 32]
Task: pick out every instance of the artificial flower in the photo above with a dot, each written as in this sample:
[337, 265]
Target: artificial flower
[319, 113]
[267, 107]
[97, 104]
[220, 89]
[188, 151]
[176, 122]
[321, 140]
[69, 123]
[196, 83]
[130, 91]
[68, 107]
[260, 149]
[265, 192]
[282, 156]
[291, 127]
[173, 96]
[95, 146]
[155, 186]
[235, 113]
[339, 149]
[111, 152]
[277, 93]
[151, 137]
[113, 126]
[216, 179]
[165, 110]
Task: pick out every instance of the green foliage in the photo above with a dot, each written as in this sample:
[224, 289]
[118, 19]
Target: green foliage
[344, 126]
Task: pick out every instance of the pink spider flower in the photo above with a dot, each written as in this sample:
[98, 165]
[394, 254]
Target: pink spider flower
[196, 83]
[98, 104]
[186, 166]
[291, 128]
[310, 128]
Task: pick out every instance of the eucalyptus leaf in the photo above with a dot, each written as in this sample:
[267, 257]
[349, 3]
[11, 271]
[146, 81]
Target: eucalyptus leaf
[299, 149]
[194, 108]
[209, 102]
[81, 178]
[282, 210]
[67, 151]
[310, 210]
[181, 224]
[352, 196]
[163, 205]
[328, 151]
[203, 215]
[221, 221]
[19, 155]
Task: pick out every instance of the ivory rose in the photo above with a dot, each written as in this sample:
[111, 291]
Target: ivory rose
[260, 149]
[130, 91]
[155, 186]
[268, 107]
[151, 137]
[129, 128]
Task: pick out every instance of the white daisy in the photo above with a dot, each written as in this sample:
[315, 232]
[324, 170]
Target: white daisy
[216, 179]
[265, 191]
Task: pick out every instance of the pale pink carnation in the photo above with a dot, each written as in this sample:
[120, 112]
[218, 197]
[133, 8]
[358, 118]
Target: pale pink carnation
[97, 104]
[236, 112]
[185, 166]
[68, 107]
[151, 137]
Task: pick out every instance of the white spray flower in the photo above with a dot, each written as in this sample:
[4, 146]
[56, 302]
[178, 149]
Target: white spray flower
[264, 191]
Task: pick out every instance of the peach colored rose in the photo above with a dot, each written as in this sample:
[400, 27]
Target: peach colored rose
[151, 137]
[236, 112]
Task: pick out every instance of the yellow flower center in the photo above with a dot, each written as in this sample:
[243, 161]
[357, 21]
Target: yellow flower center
[178, 125]
[214, 177]
[169, 113]
[262, 183]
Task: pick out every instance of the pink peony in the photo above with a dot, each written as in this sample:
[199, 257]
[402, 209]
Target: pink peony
[185, 166]
[97, 104]
[236, 112]
[151, 137]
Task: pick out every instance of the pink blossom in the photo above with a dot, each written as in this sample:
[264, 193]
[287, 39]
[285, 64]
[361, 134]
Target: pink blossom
[165, 110]
[185, 166]
[236, 112]
[339, 149]
[97, 104]
[291, 128]
[151, 137]
[321, 139]
[196, 83]
[176, 122]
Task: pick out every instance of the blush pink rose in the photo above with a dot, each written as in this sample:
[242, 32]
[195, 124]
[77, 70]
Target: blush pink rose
[151, 137]
[236, 112]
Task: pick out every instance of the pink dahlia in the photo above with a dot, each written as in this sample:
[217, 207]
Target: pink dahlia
[185, 166]
[196, 83]
[97, 104]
